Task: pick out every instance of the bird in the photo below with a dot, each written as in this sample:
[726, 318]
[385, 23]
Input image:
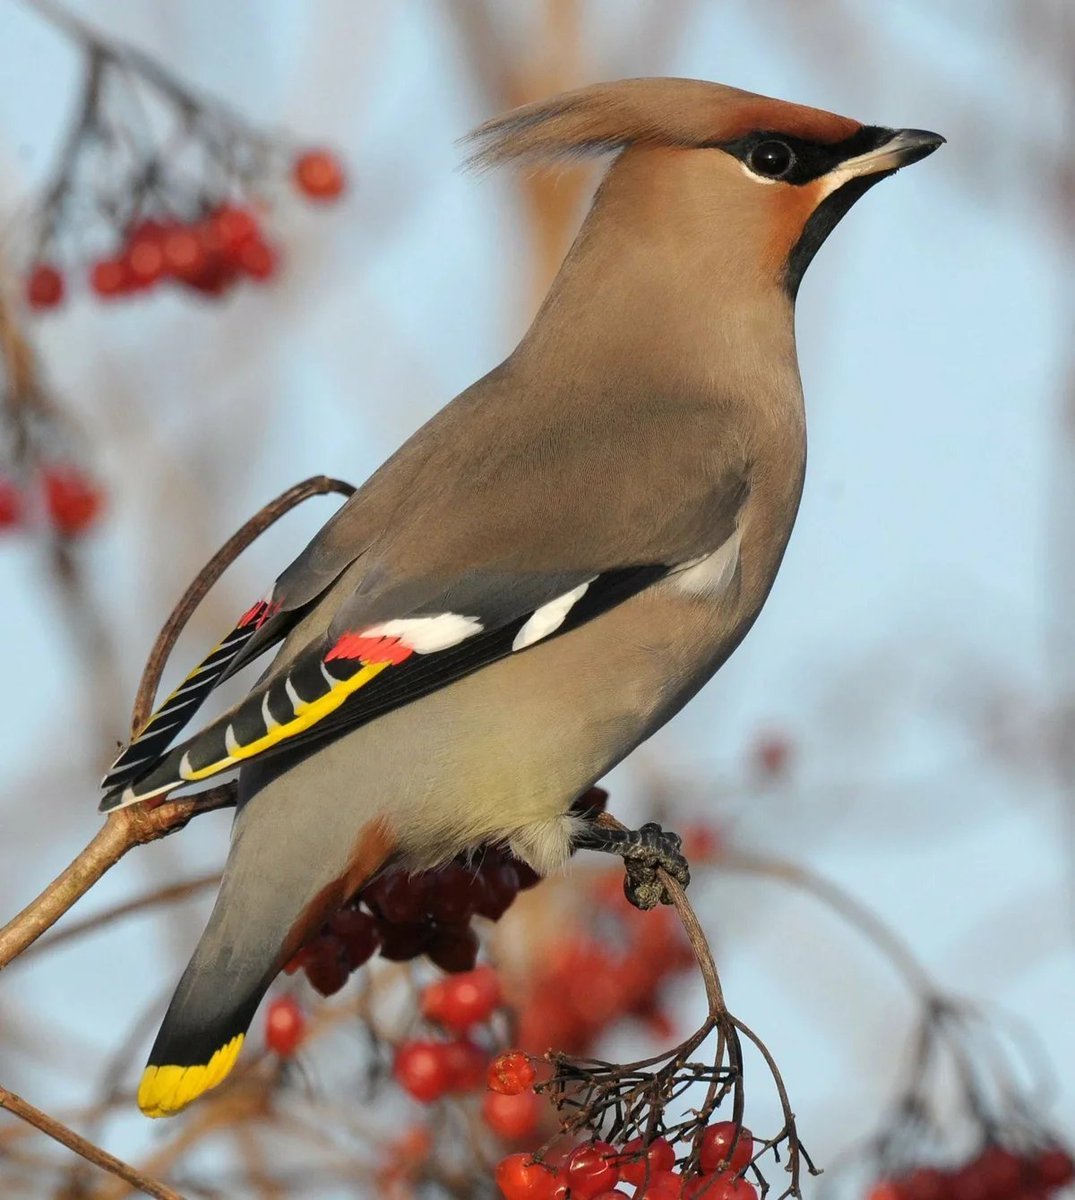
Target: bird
[547, 570]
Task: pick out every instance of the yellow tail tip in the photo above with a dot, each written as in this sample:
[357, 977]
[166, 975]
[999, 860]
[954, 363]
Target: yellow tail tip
[166, 1090]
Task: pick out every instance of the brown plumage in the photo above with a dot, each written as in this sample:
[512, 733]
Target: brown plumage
[552, 566]
[677, 113]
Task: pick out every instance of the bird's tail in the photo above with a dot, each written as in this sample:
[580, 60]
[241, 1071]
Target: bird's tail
[280, 883]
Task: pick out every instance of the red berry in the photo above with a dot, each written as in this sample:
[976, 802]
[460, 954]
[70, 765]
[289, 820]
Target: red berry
[740, 1189]
[636, 1162]
[257, 258]
[968, 1183]
[663, 1185]
[233, 226]
[520, 1178]
[886, 1189]
[359, 933]
[44, 286]
[511, 1073]
[614, 1194]
[453, 892]
[464, 1000]
[318, 174]
[422, 1069]
[466, 1065]
[109, 277]
[501, 888]
[73, 500]
[401, 943]
[399, 898]
[927, 1183]
[285, 1025]
[453, 948]
[1001, 1170]
[772, 753]
[716, 1148]
[512, 1117]
[326, 964]
[1054, 1167]
[184, 253]
[145, 254]
[11, 504]
[528, 877]
[592, 1168]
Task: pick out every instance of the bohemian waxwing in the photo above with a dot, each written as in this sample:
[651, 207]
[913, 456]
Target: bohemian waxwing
[548, 569]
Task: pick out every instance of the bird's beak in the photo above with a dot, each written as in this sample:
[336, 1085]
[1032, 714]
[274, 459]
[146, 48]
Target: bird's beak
[899, 148]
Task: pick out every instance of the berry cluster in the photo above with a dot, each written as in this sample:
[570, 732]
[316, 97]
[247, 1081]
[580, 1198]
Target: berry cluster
[597, 1170]
[180, 199]
[69, 498]
[429, 1069]
[996, 1173]
[404, 916]
[590, 981]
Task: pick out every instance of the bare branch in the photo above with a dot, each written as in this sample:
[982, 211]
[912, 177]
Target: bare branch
[87, 1150]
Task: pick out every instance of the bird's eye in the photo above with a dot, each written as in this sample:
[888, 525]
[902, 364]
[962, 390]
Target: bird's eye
[771, 159]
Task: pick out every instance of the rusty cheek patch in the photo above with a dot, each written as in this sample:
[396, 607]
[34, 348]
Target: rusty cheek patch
[373, 846]
[790, 209]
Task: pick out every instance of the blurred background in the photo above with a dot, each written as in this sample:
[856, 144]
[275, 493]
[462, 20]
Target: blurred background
[901, 720]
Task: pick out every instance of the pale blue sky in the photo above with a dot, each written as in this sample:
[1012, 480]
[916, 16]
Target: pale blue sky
[915, 590]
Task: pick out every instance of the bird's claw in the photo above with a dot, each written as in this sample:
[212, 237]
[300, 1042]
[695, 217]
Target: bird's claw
[649, 850]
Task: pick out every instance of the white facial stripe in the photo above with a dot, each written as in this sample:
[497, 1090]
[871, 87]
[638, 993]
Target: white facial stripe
[711, 575]
[427, 635]
[549, 617]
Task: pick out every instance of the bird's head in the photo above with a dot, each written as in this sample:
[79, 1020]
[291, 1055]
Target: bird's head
[702, 164]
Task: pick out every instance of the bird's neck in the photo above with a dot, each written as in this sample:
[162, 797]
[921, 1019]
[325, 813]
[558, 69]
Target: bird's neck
[662, 286]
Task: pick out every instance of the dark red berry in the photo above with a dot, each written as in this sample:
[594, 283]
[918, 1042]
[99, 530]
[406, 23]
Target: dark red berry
[453, 948]
[401, 943]
[501, 888]
[44, 286]
[359, 933]
[326, 964]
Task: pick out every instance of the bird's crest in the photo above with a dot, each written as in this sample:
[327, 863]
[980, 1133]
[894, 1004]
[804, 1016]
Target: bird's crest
[607, 117]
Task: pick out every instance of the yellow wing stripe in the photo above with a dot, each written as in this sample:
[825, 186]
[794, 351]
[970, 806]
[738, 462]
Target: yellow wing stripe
[306, 715]
[165, 1090]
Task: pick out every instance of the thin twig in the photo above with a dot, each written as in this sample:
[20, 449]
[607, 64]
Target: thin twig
[94, 1154]
[124, 829]
[317, 485]
[172, 893]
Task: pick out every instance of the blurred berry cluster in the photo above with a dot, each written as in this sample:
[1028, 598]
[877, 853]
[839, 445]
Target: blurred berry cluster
[994, 1173]
[159, 186]
[63, 493]
[1016, 1157]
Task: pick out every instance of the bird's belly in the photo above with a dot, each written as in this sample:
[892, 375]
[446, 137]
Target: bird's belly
[501, 754]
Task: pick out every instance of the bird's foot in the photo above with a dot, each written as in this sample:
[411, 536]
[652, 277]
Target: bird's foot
[644, 851]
